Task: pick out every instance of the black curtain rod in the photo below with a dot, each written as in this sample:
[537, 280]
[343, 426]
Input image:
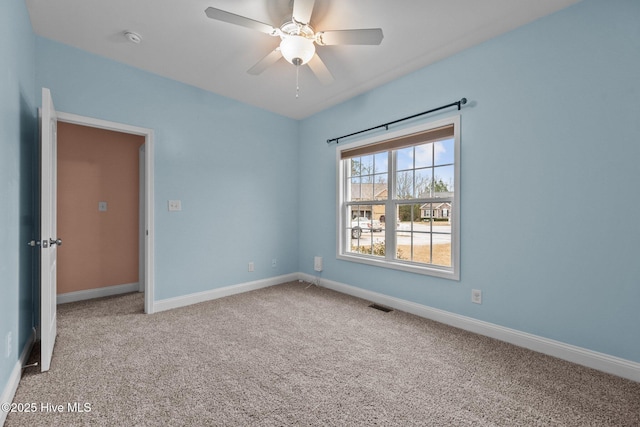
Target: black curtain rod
[386, 125]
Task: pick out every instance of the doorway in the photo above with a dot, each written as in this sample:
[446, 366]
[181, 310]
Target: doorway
[143, 222]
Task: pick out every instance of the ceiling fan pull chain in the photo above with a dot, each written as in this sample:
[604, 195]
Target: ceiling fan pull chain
[297, 81]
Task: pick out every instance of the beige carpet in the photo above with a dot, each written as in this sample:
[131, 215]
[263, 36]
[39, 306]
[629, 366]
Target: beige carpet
[293, 355]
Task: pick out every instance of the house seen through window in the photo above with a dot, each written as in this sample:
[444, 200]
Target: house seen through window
[398, 200]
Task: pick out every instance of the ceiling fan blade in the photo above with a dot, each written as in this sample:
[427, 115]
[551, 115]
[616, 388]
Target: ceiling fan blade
[320, 70]
[370, 36]
[302, 10]
[266, 62]
[232, 18]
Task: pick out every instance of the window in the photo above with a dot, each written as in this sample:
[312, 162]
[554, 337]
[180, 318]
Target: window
[398, 200]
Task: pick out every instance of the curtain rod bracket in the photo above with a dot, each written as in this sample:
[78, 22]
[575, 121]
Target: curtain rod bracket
[459, 104]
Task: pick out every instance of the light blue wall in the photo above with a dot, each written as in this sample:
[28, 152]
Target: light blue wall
[231, 165]
[550, 210]
[18, 130]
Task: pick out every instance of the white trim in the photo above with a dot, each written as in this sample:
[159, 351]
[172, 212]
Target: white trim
[582, 356]
[141, 218]
[149, 212]
[148, 249]
[185, 300]
[101, 124]
[9, 391]
[97, 292]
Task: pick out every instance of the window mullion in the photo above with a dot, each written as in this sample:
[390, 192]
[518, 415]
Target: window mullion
[390, 211]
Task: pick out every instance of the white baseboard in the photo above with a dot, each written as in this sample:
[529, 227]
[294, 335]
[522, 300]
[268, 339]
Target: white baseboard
[97, 293]
[16, 373]
[589, 358]
[182, 301]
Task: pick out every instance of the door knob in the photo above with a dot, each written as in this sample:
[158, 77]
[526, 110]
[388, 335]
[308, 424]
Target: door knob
[34, 243]
[55, 242]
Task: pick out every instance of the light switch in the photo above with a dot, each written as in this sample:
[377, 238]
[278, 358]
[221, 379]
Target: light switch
[175, 205]
[102, 206]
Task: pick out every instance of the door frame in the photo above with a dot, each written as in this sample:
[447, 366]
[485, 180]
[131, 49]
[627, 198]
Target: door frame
[147, 202]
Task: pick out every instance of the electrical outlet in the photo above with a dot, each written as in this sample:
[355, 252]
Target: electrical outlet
[274, 263]
[251, 266]
[317, 263]
[175, 205]
[476, 296]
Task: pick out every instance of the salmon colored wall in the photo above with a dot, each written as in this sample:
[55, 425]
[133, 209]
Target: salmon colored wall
[99, 248]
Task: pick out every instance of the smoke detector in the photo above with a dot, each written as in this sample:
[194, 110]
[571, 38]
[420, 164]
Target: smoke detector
[133, 37]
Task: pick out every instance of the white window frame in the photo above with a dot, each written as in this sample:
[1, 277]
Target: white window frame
[389, 261]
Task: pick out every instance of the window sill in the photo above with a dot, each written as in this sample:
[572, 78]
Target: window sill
[444, 272]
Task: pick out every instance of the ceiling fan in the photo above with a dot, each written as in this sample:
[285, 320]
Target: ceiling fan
[298, 38]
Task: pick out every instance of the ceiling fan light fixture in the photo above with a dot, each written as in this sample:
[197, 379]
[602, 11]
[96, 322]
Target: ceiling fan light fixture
[297, 50]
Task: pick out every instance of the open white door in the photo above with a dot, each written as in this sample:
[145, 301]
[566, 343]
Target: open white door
[48, 229]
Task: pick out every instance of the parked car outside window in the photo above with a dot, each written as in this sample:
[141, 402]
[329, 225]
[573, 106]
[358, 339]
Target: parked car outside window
[363, 224]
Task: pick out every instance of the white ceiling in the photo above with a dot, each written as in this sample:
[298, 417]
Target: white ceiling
[181, 43]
